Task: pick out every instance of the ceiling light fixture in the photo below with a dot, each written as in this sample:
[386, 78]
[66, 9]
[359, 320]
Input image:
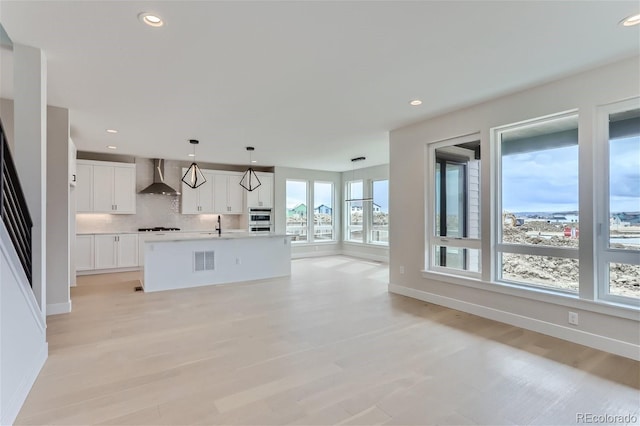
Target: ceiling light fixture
[193, 177]
[415, 102]
[353, 178]
[112, 131]
[630, 21]
[112, 147]
[150, 19]
[250, 180]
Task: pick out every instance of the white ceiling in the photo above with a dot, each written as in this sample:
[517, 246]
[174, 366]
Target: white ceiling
[309, 84]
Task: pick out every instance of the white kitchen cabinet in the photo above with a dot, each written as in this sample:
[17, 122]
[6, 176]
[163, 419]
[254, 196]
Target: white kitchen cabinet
[116, 251]
[228, 195]
[262, 196]
[84, 188]
[198, 200]
[114, 189]
[127, 250]
[84, 255]
[106, 187]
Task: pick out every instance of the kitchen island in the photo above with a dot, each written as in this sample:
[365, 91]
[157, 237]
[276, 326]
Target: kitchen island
[195, 260]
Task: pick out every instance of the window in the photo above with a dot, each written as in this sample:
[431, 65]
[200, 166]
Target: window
[297, 210]
[537, 220]
[379, 231]
[453, 214]
[618, 217]
[323, 211]
[355, 212]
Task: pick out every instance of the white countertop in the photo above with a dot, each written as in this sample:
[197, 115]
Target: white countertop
[185, 236]
[195, 231]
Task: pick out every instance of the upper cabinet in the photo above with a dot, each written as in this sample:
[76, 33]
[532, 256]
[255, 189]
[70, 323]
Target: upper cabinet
[262, 196]
[228, 195]
[198, 200]
[105, 187]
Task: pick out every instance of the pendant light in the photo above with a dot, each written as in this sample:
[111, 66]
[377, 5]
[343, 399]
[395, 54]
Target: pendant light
[194, 177]
[250, 180]
[353, 178]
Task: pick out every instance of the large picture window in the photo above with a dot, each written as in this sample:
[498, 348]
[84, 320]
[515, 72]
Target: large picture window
[538, 225]
[297, 210]
[619, 212]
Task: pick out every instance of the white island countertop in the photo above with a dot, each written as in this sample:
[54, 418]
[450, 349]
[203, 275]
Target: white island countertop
[182, 260]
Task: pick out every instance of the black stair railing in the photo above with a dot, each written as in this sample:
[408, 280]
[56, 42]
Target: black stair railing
[13, 207]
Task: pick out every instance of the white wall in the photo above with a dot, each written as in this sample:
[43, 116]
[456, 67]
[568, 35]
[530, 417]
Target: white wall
[607, 328]
[23, 346]
[58, 278]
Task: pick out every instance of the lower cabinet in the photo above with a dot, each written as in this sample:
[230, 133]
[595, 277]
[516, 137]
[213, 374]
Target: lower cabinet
[84, 258]
[106, 251]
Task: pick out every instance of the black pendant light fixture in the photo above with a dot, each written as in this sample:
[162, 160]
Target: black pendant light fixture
[353, 178]
[194, 177]
[250, 180]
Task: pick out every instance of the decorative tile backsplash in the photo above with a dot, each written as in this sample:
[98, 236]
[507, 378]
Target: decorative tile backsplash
[154, 209]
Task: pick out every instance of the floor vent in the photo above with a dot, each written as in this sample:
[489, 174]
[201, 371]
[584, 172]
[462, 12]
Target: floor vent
[138, 288]
[203, 261]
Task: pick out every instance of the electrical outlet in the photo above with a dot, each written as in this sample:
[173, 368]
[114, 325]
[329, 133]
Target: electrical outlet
[402, 269]
[573, 318]
[238, 261]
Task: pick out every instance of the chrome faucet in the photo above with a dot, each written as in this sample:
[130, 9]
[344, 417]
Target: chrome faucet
[219, 228]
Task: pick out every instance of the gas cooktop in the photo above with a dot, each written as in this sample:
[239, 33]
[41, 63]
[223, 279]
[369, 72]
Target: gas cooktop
[157, 228]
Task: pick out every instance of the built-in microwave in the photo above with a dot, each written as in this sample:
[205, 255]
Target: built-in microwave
[260, 220]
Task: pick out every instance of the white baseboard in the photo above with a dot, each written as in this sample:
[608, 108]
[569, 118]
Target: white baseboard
[366, 256]
[596, 341]
[11, 410]
[59, 308]
[315, 254]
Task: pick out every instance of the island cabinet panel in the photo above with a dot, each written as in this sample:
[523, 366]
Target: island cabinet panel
[228, 194]
[262, 196]
[199, 260]
[198, 200]
[105, 187]
[84, 259]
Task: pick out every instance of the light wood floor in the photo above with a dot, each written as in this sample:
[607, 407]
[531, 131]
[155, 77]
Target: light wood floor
[329, 345]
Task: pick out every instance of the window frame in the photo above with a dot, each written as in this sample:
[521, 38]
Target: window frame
[603, 253]
[306, 182]
[500, 247]
[370, 225]
[431, 239]
[333, 213]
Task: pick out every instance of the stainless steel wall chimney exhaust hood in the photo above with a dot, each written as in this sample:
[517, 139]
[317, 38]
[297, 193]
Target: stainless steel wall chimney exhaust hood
[158, 186]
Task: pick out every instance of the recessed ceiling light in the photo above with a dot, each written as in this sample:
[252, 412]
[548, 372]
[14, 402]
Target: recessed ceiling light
[415, 102]
[112, 147]
[112, 131]
[192, 155]
[150, 19]
[254, 161]
[630, 21]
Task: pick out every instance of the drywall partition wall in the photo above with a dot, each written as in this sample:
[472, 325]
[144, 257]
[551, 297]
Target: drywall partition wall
[281, 174]
[604, 327]
[6, 114]
[23, 346]
[58, 193]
